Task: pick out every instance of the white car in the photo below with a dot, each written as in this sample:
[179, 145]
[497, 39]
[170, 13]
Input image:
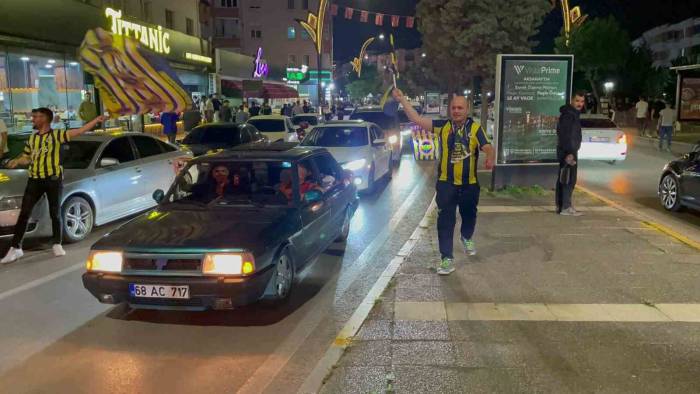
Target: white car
[358, 146]
[602, 139]
[275, 127]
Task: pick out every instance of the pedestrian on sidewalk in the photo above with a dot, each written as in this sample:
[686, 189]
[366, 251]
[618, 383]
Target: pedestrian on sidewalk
[568, 144]
[642, 114]
[667, 118]
[42, 153]
[169, 122]
[460, 139]
[242, 115]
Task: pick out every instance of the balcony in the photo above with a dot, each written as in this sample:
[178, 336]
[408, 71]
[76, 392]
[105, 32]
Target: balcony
[224, 12]
[227, 42]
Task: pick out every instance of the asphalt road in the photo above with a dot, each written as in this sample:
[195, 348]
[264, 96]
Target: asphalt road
[57, 338]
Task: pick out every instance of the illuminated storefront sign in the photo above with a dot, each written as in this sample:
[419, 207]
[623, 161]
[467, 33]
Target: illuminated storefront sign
[298, 74]
[261, 68]
[198, 58]
[152, 37]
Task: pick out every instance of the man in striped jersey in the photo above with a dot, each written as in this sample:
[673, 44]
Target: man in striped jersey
[43, 155]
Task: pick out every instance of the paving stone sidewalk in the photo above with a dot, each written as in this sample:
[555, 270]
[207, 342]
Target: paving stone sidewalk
[599, 303]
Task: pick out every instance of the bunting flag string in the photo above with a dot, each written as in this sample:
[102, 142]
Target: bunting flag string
[349, 13]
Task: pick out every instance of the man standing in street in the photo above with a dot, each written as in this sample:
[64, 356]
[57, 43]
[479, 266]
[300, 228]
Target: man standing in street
[460, 140]
[667, 118]
[568, 144]
[297, 109]
[169, 122]
[242, 114]
[42, 154]
[642, 113]
[87, 110]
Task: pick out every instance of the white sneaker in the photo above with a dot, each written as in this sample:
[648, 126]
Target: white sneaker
[58, 250]
[570, 212]
[12, 256]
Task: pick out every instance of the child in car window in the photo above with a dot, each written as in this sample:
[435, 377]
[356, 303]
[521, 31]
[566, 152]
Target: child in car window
[305, 183]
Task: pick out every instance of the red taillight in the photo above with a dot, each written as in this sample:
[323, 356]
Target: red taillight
[622, 139]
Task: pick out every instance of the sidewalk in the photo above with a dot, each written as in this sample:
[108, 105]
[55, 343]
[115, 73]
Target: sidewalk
[599, 303]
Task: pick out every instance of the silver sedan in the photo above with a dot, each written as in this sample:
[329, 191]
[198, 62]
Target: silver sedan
[107, 176]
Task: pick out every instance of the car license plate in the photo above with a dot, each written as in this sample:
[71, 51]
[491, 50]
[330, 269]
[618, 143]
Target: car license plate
[159, 291]
[600, 139]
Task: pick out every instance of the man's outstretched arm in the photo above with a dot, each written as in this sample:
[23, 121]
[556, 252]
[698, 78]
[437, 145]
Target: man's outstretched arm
[424, 123]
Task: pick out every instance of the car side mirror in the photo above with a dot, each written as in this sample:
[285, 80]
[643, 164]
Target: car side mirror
[108, 162]
[158, 195]
[312, 196]
[379, 142]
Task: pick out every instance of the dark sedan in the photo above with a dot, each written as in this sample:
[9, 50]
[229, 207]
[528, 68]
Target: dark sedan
[213, 137]
[235, 227]
[679, 186]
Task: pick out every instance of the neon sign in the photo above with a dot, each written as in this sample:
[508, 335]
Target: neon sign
[298, 74]
[261, 68]
[152, 37]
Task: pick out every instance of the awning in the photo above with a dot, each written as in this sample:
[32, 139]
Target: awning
[269, 90]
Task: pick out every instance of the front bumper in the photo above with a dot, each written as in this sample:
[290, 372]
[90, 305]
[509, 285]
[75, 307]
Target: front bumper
[205, 292]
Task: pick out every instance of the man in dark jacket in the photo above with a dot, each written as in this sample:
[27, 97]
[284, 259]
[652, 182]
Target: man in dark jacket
[568, 144]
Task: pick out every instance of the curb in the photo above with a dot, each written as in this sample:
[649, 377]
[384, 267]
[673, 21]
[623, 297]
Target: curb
[646, 221]
[314, 381]
[688, 145]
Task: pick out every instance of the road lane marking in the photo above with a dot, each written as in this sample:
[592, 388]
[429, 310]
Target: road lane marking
[324, 366]
[273, 364]
[490, 311]
[40, 281]
[537, 208]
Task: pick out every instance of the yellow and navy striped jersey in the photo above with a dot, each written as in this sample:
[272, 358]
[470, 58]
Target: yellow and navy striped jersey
[459, 169]
[45, 153]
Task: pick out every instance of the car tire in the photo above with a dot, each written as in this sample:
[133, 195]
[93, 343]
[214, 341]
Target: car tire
[283, 279]
[612, 162]
[669, 193]
[77, 219]
[345, 230]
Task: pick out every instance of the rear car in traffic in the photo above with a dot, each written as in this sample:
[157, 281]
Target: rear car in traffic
[234, 227]
[602, 139]
[389, 125]
[212, 137]
[275, 127]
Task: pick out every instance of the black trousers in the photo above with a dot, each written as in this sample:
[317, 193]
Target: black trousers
[35, 189]
[171, 137]
[564, 191]
[448, 198]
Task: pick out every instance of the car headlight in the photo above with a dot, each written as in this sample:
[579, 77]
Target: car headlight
[354, 165]
[393, 139]
[10, 203]
[104, 261]
[228, 264]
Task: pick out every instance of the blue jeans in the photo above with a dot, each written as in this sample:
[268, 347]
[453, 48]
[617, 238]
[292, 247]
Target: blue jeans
[449, 197]
[665, 133]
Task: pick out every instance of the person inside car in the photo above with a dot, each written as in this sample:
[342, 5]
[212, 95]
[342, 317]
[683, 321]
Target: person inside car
[306, 182]
[216, 186]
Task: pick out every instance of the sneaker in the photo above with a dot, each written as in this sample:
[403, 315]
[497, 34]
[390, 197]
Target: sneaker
[469, 246]
[12, 255]
[570, 212]
[58, 250]
[446, 266]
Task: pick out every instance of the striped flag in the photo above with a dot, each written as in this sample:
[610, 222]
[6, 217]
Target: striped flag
[379, 19]
[348, 12]
[395, 20]
[131, 80]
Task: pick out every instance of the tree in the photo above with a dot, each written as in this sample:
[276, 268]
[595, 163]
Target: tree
[599, 46]
[462, 37]
[370, 82]
[640, 77]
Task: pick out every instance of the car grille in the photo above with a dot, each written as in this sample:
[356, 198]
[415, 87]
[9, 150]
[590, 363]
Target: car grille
[9, 230]
[152, 264]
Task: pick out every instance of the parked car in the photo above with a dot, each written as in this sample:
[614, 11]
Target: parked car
[216, 136]
[200, 249]
[602, 139]
[359, 146]
[275, 127]
[107, 176]
[389, 124]
[679, 185]
[311, 119]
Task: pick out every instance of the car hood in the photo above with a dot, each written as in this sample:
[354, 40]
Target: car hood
[171, 228]
[196, 149]
[12, 182]
[344, 155]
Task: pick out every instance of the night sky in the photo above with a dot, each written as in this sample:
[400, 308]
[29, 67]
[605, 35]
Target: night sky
[636, 16]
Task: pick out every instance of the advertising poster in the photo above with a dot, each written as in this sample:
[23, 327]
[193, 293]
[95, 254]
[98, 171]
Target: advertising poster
[432, 103]
[690, 99]
[531, 91]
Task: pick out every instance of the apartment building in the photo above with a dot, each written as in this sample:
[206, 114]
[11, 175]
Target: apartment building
[671, 41]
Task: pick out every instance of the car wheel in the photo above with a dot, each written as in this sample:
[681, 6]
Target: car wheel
[612, 162]
[78, 219]
[345, 230]
[283, 276]
[669, 194]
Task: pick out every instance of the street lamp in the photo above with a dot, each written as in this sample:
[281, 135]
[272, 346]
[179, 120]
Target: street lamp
[423, 54]
[608, 86]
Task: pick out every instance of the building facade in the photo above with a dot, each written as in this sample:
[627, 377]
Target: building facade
[671, 41]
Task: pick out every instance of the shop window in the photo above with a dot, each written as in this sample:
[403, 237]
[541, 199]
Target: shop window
[307, 60]
[291, 60]
[291, 33]
[255, 33]
[229, 3]
[189, 26]
[169, 19]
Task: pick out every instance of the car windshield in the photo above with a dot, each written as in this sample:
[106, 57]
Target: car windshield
[597, 123]
[312, 120]
[229, 183]
[78, 154]
[337, 137]
[268, 125]
[213, 135]
[379, 118]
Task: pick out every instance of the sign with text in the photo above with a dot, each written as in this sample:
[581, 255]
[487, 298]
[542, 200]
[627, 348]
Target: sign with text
[690, 99]
[530, 91]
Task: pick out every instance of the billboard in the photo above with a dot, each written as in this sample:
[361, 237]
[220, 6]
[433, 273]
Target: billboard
[689, 108]
[530, 91]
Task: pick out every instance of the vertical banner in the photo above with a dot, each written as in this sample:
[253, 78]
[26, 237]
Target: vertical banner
[530, 89]
[364, 16]
[379, 19]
